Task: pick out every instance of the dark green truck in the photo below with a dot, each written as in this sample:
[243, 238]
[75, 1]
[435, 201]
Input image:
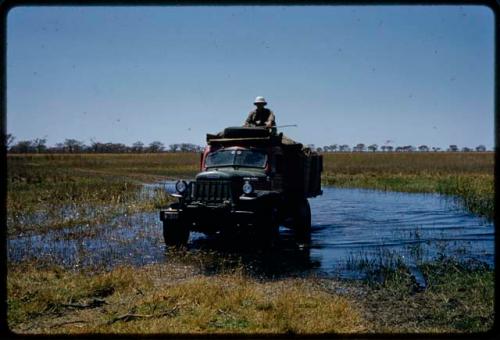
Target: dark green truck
[249, 179]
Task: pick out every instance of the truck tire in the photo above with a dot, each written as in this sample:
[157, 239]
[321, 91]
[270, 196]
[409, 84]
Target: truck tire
[302, 221]
[268, 229]
[175, 233]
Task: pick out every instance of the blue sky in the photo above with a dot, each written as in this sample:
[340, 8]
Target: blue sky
[344, 74]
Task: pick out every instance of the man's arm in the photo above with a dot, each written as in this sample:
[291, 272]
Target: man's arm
[270, 120]
[249, 121]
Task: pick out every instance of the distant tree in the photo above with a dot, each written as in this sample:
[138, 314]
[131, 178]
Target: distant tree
[9, 139]
[156, 146]
[73, 145]
[115, 148]
[95, 146]
[319, 149]
[23, 146]
[359, 147]
[188, 147]
[389, 148]
[453, 148]
[436, 149]
[344, 148]
[481, 148]
[383, 147]
[466, 149]
[173, 147]
[39, 144]
[59, 147]
[138, 146]
[373, 147]
[399, 149]
[334, 147]
[409, 148]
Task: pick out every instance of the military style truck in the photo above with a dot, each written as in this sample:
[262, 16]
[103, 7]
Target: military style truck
[250, 177]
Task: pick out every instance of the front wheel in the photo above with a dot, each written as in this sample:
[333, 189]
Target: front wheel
[302, 221]
[175, 233]
[268, 228]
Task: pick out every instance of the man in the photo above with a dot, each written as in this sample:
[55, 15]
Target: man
[260, 116]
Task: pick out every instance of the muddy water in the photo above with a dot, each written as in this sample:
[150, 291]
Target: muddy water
[350, 227]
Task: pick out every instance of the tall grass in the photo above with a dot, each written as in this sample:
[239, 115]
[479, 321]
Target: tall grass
[64, 190]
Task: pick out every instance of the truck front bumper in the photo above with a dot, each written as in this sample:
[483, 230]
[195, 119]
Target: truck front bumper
[202, 217]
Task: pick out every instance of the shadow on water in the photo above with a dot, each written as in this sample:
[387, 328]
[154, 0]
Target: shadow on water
[352, 229]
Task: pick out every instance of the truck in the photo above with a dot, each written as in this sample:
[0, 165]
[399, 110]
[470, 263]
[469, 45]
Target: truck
[250, 178]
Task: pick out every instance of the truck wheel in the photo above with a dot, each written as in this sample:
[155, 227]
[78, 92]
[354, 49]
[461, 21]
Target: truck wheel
[175, 233]
[302, 221]
[268, 230]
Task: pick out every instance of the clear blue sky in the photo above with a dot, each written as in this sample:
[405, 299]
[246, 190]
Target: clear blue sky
[413, 75]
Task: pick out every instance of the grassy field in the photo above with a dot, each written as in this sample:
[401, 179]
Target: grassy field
[80, 189]
[58, 191]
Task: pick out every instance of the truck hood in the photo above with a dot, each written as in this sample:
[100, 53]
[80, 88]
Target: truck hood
[230, 173]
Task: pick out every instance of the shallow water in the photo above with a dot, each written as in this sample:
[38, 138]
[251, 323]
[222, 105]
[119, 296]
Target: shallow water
[350, 226]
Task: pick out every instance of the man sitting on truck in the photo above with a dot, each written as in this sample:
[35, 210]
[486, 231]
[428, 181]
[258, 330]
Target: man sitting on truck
[260, 116]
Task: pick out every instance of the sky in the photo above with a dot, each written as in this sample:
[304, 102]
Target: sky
[398, 75]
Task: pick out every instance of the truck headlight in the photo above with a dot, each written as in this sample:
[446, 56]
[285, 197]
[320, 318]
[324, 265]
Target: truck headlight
[247, 188]
[180, 186]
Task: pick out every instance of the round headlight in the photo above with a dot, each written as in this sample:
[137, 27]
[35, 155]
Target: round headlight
[180, 186]
[247, 188]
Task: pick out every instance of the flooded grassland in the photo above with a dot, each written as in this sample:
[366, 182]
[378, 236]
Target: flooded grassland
[86, 252]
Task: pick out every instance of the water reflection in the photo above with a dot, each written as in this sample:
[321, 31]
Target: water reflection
[283, 257]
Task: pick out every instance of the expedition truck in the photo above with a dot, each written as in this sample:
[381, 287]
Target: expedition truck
[250, 177]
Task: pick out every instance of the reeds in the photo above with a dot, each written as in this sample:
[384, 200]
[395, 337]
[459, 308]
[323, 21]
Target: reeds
[53, 191]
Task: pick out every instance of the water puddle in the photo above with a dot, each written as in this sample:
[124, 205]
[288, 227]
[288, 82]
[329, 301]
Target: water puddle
[351, 228]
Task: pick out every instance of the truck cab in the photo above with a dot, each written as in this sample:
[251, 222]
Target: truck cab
[248, 179]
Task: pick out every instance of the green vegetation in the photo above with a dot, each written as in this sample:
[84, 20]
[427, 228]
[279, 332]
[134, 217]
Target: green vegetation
[466, 176]
[66, 190]
[457, 297]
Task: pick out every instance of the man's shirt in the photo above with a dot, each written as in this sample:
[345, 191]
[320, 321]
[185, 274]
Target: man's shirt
[264, 117]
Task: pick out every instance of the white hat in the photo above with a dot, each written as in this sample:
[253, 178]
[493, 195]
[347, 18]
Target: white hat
[260, 100]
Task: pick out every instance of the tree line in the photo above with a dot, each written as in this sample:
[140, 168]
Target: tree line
[361, 147]
[39, 145]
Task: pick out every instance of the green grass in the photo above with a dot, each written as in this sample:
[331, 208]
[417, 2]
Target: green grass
[459, 298]
[89, 188]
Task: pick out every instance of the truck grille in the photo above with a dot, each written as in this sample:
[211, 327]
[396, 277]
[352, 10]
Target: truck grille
[210, 191]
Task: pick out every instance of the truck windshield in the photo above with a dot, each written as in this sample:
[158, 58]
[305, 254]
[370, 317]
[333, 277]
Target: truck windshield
[243, 158]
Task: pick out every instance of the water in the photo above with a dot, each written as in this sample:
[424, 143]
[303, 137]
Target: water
[349, 226]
